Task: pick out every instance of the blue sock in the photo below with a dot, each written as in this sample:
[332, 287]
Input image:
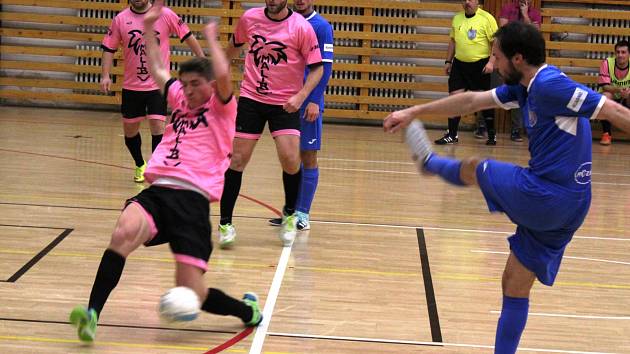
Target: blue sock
[511, 324]
[310, 177]
[445, 167]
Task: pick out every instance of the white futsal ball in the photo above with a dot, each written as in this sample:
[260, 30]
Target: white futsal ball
[179, 304]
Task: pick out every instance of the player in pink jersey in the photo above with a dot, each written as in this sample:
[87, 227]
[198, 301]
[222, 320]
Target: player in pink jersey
[281, 45]
[186, 172]
[140, 95]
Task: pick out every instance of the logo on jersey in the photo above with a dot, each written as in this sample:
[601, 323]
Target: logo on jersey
[265, 54]
[532, 118]
[583, 173]
[181, 126]
[328, 47]
[579, 96]
[472, 34]
[135, 43]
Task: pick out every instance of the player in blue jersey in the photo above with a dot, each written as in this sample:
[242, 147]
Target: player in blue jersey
[549, 199]
[311, 116]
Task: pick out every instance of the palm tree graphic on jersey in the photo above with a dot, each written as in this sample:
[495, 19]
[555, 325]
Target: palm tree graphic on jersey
[142, 73]
[266, 53]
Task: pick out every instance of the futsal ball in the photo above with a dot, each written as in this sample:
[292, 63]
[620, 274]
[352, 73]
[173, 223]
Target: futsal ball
[179, 304]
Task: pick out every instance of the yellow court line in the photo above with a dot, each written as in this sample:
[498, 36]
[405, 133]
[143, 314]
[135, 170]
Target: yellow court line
[445, 276]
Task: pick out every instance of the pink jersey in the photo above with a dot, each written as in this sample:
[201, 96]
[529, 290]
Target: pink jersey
[127, 29]
[279, 51]
[197, 142]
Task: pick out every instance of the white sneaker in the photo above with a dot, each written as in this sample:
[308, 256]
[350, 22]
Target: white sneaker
[289, 230]
[303, 222]
[227, 235]
[419, 143]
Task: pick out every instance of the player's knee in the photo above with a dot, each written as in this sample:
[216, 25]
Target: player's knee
[123, 239]
[238, 161]
[515, 286]
[290, 163]
[309, 159]
[468, 170]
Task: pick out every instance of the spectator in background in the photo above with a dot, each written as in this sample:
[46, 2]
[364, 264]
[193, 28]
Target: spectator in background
[519, 10]
[614, 83]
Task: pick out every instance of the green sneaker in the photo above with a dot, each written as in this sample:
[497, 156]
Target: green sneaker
[227, 235]
[138, 176]
[289, 230]
[85, 320]
[251, 300]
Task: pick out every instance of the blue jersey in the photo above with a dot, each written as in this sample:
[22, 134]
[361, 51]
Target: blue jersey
[324, 33]
[556, 112]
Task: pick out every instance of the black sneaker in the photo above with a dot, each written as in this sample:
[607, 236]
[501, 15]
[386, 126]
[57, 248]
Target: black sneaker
[275, 222]
[492, 140]
[447, 139]
[516, 136]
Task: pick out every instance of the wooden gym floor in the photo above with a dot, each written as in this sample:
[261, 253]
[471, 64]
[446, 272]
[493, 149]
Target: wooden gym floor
[395, 262]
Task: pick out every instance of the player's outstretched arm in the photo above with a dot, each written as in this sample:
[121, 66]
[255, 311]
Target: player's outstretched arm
[455, 105]
[616, 114]
[220, 63]
[159, 72]
[193, 44]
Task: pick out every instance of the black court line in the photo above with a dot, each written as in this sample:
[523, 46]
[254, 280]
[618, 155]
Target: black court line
[122, 326]
[434, 320]
[34, 227]
[38, 256]
[356, 340]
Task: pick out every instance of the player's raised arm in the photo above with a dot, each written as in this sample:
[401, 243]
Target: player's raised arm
[220, 63]
[159, 73]
[455, 105]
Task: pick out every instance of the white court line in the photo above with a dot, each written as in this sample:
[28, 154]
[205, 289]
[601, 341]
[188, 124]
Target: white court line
[453, 229]
[270, 303]
[436, 344]
[413, 163]
[569, 257]
[625, 318]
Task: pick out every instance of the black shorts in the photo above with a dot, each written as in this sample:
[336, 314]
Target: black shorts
[181, 218]
[468, 76]
[139, 104]
[252, 115]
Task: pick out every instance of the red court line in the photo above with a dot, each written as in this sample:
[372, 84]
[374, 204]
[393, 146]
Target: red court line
[274, 210]
[237, 338]
[64, 158]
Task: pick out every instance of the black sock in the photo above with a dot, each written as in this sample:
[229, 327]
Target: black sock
[155, 140]
[219, 303]
[453, 126]
[291, 189]
[606, 127]
[107, 277]
[134, 145]
[489, 119]
[230, 193]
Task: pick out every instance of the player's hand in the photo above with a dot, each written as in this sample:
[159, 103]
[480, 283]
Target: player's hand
[447, 68]
[154, 13]
[489, 68]
[294, 103]
[311, 112]
[106, 84]
[396, 121]
[523, 5]
[210, 30]
[625, 93]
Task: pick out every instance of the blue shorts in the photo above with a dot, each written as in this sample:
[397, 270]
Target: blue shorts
[546, 214]
[310, 133]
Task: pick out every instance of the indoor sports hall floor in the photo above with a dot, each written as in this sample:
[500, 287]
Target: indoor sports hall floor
[395, 262]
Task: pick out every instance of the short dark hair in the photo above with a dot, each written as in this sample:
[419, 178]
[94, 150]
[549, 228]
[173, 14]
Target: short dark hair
[622, 43]
[518, 37]
[201, 66]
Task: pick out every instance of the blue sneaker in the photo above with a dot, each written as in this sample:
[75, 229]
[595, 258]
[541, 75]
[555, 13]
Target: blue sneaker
[303, 222]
